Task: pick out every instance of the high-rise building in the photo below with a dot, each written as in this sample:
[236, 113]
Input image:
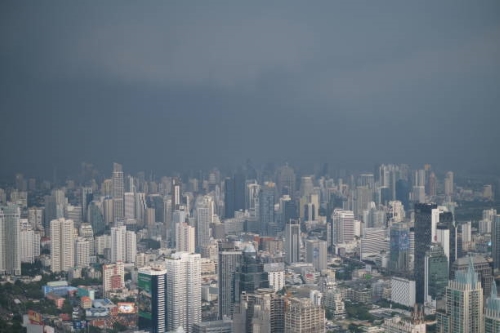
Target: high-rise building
[495, 241]
[113, 277]
[251, 275]
[151, 299]
[62, 245]
[286, 181]
[118, 192]
[449, 184]
[183, 297]
[292, 241]
[492, 312]
[228, 264]
[266, 209]
[464, 304]
[185, 234]
[317, 253]
[82, 252]
[436, 273]
[276, 275]
[399, 248]
[96, 217]
[123, 244]
[55, 205]
[87, 197]
[343, 226]
[129, 198]
[481, 267]
[10, 240]
[29, 245]
[234, 194]
[403, 193]
[302, 315]
[423, 240]
[204, 215]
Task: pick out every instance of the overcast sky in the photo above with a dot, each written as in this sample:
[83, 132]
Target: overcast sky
[175, 85]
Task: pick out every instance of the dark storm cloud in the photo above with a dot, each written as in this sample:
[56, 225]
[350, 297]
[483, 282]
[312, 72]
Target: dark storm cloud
[172, 85]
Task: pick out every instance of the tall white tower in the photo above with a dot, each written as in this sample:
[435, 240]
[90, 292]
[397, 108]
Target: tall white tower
[62, 244]
[183, 301]
[118, 191]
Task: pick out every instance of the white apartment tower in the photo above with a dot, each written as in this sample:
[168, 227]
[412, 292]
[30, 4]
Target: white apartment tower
[62, 244]
[343, 226]
[123, 244]
[183, 290]
[185, 237]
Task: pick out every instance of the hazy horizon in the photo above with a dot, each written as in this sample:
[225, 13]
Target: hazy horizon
[174, 86]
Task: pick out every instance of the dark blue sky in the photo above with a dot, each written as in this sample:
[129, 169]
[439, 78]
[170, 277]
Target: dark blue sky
[170, 85]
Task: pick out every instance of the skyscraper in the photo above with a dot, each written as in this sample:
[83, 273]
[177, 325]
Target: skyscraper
[185, 234]
[10, 240]
[399, 248]
[423, 239]
[343, 226]
[448, 183]
[292, 241]
[204, 213]
[492, 312]
[183, 300]
[436, 273]
[228, 264]
[123, 244]
[118, 192]
[316, 253]
[266, 209]
[464, 304]
[62, 245]
[151, 299]
[286, 181]
[495, 241]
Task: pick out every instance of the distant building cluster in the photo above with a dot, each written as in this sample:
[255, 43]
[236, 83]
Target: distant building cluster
[261, 250]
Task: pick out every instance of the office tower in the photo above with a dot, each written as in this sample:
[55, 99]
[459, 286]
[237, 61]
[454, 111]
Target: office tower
[492, 312]
[113, 277]
[156, 202]
[403, 193]
[495, 241]
[62, 245]
[373, 242]
[448, 184]
[436, 273]
[183, 299]
[363, 197]
[10, 240]
[234, 194]
[266, 209]
[107, 210]
[466, 232]
[423, 239]
[431, 185]
[185, 234]
[481, 267]
[292, 241]
[316, 253]
[151, 299]
[178, 216]
[176, 193]
[399, 248]
[129, 205]
[286, 181]
[301, 315]
[262, 311]
[343, 226]
[140, 208]
[464, 304]
[118, 192]
[275, 275]
[306, 186]
[96, 217]
[251, 275]
[228, 264]
[290, 212]
[446, 233]
[87, 197]
[123, 244]
[82, 252]
[252, 197]
[204, 214]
